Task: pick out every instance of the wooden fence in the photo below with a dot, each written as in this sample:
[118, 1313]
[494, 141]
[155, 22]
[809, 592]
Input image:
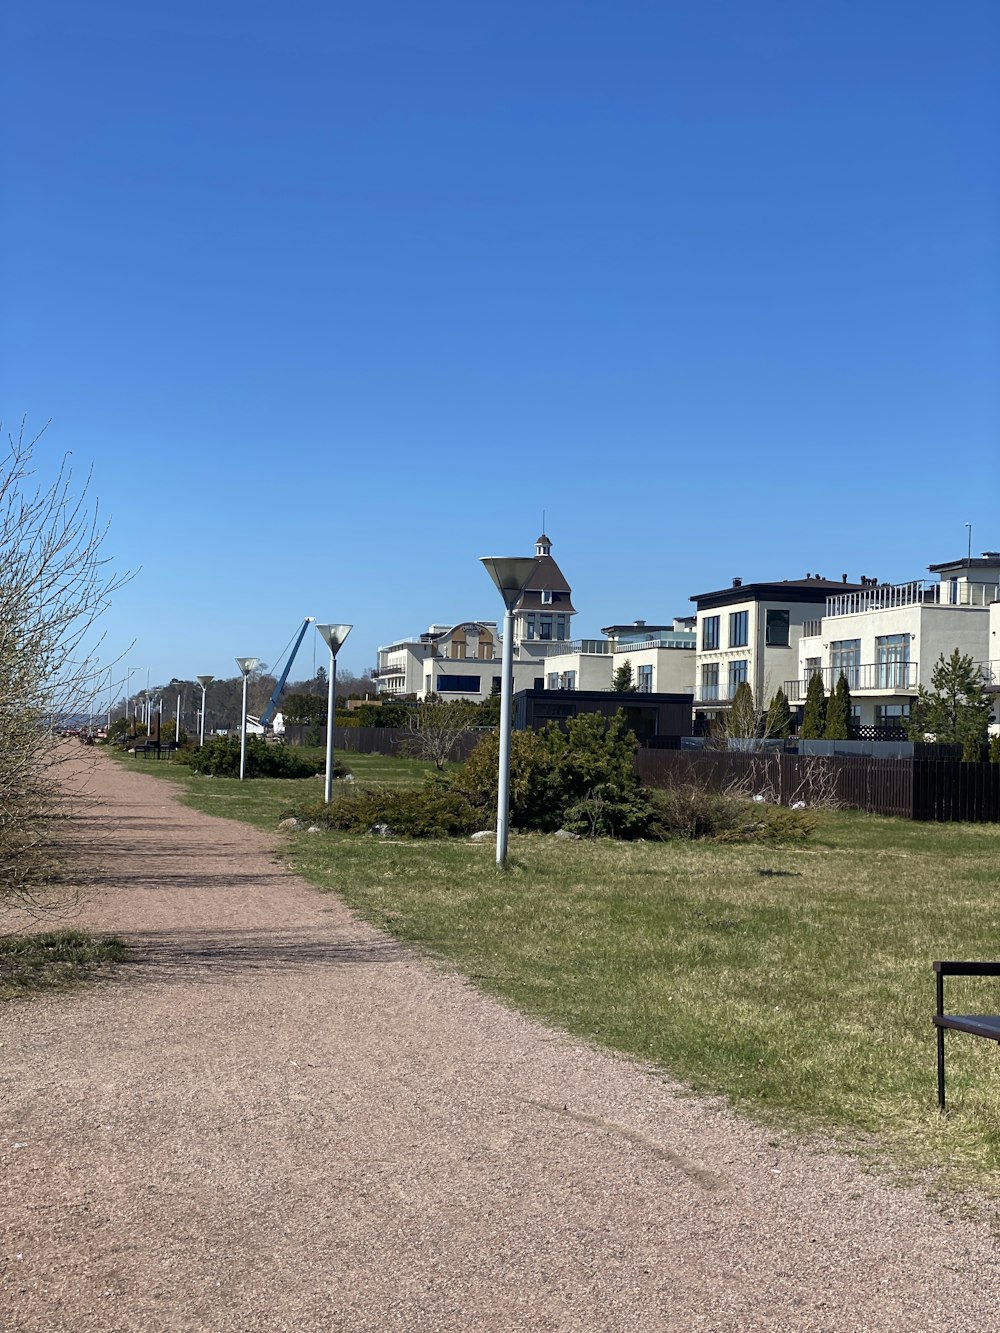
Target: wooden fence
[926, 789]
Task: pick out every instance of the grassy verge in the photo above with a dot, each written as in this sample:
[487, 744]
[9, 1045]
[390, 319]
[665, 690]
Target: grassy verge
[53, 961]
[794, 981]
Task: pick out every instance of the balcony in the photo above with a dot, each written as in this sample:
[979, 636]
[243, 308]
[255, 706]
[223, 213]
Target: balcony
[871, 678]
[919, 592]
[716, 694]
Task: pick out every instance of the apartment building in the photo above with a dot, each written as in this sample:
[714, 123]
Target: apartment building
[751, 632]
[661, 658]
[886, 638]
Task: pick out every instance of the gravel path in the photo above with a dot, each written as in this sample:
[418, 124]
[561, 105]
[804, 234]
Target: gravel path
[277, 1119]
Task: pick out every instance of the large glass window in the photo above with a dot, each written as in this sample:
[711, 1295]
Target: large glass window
[459, 685]
[553, 681]
[892, 715]
[739, 622]
[560, 627]
[545, 627]
[776, 626]
[644, 679]
[710, 633]
[892, 658]
[845, 656]
[737, 674]
[569, 680]
[529, 626]
[710, 680]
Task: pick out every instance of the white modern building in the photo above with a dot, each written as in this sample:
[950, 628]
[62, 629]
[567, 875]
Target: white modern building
[661, 658]
[751, 632]
[886, 638]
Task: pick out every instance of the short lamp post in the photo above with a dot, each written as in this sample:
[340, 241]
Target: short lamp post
[511, 574]
[204, 682]
[333, 636]
[246, 665]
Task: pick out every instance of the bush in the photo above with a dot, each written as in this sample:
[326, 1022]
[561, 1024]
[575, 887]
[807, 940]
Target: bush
[220, 757]
[582, 779]
[691, 812]
[431, 811]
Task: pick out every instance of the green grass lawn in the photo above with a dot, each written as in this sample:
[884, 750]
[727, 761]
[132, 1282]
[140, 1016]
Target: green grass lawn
[794, 981]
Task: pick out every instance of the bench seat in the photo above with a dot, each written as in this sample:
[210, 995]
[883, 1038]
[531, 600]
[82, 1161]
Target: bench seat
[983, 1025]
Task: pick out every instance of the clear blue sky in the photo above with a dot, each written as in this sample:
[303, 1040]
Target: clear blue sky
[339, 297]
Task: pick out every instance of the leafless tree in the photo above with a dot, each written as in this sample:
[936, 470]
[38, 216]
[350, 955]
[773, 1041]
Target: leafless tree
[55, 583]
[437, 726]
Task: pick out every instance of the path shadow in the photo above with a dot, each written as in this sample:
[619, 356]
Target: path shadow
[215, 955]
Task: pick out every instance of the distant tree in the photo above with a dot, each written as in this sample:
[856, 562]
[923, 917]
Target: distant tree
[956, 709]
[995, 749]
[302, 709]
[839, 712]
[436, 727]
[814, 715]
[779, 717]
[621, 681]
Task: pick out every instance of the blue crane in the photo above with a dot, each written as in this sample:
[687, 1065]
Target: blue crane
[272, 703]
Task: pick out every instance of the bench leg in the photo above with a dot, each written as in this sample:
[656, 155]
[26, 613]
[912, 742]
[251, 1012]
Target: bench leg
[940, 1055]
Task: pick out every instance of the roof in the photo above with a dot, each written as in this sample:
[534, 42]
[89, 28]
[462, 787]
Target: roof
[786, 590]
[548, 577]
[988, 560]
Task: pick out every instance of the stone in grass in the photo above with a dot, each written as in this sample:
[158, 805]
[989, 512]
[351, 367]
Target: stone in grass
[383, 831]
[314, 828]
[484, 835]
[565, 835]
[290, 822]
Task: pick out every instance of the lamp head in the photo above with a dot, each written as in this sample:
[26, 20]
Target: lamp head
[204, 681]
[511, 574]
[334, 635]
[247, 664]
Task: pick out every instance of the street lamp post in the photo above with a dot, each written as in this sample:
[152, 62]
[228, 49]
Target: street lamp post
[204, 682]
[333, 636]
[511, 574]
[246, 665]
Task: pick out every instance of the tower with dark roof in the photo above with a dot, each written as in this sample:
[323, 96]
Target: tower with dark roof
[544, 611]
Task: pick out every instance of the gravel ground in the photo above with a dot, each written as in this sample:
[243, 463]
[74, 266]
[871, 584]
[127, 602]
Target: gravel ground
[277, 1119]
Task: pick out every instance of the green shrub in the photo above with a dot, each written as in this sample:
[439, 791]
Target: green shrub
[430, 811]
[582, 779]
[995, 749]
[220, 757]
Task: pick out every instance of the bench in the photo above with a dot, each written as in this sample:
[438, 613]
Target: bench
[980, 1025]
[151, 747]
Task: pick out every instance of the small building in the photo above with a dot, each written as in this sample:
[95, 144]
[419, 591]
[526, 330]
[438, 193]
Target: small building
[651, 716]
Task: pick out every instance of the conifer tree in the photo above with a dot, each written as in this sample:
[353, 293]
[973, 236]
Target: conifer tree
[956, 709]
[814, 714]
[779, 717]
[838, 712]
[742, 721]
[622, 681]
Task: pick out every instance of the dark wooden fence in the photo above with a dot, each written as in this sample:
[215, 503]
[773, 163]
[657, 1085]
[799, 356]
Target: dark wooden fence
[907, 788]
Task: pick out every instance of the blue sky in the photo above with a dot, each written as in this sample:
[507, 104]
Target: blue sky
[338, 298]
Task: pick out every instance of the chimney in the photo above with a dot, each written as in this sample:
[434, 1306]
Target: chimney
[737, 583]
[808, 575]
[843, 578]
[638, 623]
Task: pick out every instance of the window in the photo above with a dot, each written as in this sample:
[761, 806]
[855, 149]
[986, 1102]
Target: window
[546, 598]
[892, 715]
[569, 680]
[845, 656]
[738, 628]
[737, 674]
[776, 629]
[560, 627]
[529, 626]
[545, 627]
[710, 633]
[553, 681]
[644, 679]
[459, 685]
[710, 679]
[892, 658]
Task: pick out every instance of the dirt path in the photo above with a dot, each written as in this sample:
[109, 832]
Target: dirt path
[279, 1120]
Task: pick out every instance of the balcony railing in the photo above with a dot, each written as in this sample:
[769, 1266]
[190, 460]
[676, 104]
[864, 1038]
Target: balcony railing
[872, 677]
[812, 629]
[716, 694]
[664, 641]
[919, 592]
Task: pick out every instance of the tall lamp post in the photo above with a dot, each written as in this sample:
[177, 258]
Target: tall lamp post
[511, 574]
[333, 636]
[204, 682]
[246, 665]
